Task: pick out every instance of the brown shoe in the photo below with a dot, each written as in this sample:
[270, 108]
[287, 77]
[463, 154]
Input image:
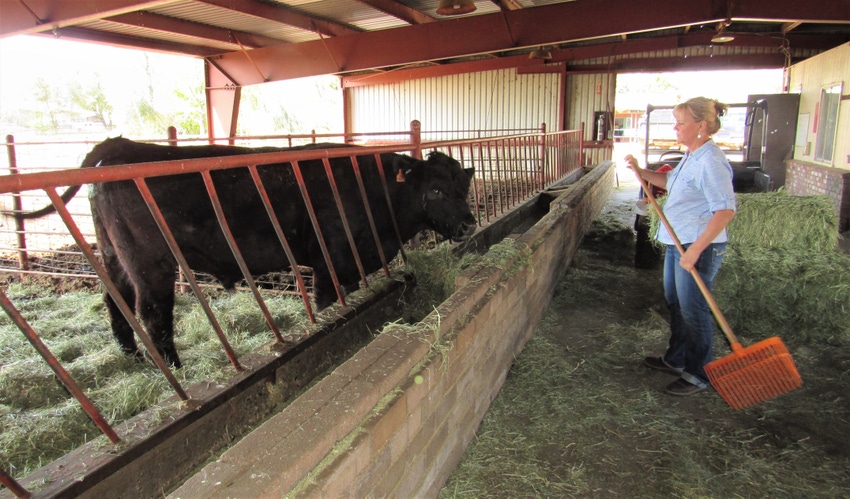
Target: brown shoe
[658, 364]
[682, 388]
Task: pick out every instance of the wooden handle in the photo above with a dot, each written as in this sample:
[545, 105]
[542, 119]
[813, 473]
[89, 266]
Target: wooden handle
[715, 309]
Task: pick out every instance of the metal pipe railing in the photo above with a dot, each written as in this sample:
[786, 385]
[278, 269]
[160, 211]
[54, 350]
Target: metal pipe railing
[509, 170]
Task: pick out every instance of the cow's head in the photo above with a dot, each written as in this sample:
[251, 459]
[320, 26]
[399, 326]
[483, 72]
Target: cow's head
[441, 188]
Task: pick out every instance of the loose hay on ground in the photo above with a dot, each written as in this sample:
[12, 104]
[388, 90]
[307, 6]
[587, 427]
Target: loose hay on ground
[579, 417]
[39, 421]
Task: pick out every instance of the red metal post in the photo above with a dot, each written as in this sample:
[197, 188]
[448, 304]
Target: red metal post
[20, 229]
[13, 485]
[543, 178]
[416, 139]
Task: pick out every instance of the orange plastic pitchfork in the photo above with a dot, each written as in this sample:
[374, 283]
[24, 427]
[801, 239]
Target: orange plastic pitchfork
[748, 375]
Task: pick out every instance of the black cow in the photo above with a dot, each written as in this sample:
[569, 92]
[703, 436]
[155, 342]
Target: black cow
[429, 194]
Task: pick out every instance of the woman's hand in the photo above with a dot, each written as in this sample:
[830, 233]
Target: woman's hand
[632, 164]
[690, 258]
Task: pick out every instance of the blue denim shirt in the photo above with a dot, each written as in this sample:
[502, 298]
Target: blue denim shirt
[700, 185]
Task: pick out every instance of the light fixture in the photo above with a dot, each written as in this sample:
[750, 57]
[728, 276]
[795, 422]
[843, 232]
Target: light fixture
[455, 7]
[540, 52]
[721, 36]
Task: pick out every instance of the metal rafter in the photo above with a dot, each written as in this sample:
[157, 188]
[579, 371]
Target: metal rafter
[399, 10]
[508, 4]
[201, 32]
[38, 16]
[284, 16]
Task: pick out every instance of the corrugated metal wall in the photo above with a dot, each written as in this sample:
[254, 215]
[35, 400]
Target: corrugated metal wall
[587, 94]
[491, 101]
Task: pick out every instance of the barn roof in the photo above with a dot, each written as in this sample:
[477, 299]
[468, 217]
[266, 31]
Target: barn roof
[265, 40]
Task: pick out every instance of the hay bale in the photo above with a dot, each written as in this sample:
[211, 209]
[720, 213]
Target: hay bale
[783, 274]
[778, 221]
[801, 297]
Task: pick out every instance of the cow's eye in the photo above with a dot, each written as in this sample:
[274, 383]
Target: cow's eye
[434, 193]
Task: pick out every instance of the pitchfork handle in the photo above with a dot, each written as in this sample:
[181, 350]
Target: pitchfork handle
[724, 325]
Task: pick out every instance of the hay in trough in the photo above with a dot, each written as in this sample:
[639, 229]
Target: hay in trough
[435, 271]
[40, 422]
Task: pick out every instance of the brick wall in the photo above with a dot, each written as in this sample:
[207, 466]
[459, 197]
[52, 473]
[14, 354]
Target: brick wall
[807, 179]
[395, 419]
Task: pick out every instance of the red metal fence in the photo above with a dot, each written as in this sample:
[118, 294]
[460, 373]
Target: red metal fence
[510, 169]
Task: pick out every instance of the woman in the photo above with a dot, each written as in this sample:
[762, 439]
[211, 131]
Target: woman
[700, 204]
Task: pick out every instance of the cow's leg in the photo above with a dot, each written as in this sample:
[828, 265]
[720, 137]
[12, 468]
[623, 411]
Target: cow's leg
[121, 330]
[155, 303]
[323, 287]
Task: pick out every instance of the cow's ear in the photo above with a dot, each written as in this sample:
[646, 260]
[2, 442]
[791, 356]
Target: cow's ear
[404, 166]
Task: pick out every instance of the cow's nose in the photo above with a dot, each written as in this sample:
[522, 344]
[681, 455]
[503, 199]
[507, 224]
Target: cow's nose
[464, 231]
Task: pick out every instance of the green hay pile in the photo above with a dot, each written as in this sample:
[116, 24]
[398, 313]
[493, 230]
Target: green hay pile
[40, 422]
[783, 274]
[780, 222]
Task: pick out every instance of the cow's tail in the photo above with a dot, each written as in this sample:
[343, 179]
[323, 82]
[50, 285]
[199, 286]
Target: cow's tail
[66, 196]
[91, 160]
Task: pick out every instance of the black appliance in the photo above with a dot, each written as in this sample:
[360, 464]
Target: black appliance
[770, 130]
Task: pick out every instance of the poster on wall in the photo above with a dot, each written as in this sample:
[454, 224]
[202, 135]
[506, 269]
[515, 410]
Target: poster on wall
[802, 130]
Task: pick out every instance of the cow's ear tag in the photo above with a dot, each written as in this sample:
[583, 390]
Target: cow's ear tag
[400, 176]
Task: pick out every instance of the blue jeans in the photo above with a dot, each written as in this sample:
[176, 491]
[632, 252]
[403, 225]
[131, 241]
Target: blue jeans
[691, 322]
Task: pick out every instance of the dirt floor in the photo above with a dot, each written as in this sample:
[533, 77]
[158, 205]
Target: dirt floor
[579, 416]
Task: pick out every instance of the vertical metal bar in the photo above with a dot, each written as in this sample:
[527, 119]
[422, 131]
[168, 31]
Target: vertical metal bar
[485, 173]
[237, 254]
[345, 225]
[521, 177]
[60, 371]
[100, 270]
[510, 158]
[544, 179]
[506, 167]
[389, 200]
[20, 229]
[500, 178]
[368, 207]
[184, 265]
[296, 169]
[416, 139]
[283, 241]
[172, 136]
[485, 187]
[13, 485]
[474, 189]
